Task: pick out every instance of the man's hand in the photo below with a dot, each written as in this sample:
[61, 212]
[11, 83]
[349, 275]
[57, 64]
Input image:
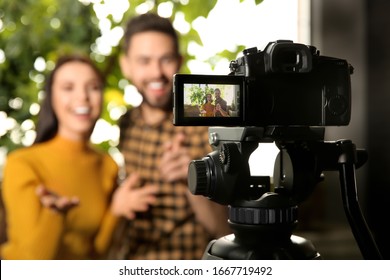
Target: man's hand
[57, 203]
[219, 109]
[130, 198]
[175, 160]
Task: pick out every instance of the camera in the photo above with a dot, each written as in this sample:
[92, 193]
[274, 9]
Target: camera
[286, 84]
[285, 94]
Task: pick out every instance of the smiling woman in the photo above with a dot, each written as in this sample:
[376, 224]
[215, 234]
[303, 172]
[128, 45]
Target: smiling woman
[49, 188]
[73, 102]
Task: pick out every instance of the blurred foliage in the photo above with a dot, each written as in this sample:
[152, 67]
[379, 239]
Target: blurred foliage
[28, 31]
[42, 30]
[197, 95]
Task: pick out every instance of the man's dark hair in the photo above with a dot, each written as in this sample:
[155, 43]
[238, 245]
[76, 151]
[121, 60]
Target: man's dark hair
[149, 22]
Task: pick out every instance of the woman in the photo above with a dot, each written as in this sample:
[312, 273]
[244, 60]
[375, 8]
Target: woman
[208, 108]
[57, 192]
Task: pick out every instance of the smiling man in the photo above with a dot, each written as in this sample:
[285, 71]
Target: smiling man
[171, 223]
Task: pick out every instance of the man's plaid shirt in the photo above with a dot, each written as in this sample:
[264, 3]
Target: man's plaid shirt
[168, 230]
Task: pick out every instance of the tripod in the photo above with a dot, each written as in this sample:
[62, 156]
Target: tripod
[263, 219]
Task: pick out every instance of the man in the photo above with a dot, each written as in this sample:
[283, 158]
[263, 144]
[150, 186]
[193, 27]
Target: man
[164, 220]
[221, 109]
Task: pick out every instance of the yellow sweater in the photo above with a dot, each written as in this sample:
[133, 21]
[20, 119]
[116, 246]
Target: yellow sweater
[67, 168]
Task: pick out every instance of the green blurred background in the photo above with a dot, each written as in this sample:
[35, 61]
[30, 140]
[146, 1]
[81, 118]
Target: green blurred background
[34, 33]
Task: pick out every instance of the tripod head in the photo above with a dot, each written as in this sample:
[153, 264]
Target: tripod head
[263, 215]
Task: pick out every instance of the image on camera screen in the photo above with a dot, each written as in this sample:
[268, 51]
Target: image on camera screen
[211, 100]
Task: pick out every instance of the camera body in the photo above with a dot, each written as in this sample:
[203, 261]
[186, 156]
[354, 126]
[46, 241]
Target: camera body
[286, 84]
[285, 94]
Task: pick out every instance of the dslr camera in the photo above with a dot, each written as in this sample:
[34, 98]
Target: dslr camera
[286, 84]
[285, 94]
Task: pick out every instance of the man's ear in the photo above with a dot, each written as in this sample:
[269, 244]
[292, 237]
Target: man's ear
[124, 65]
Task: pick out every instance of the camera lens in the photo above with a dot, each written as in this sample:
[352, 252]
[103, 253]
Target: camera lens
[197, 177]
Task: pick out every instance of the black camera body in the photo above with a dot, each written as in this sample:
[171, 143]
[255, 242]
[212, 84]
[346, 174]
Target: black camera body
[286, 84]
[285, 94]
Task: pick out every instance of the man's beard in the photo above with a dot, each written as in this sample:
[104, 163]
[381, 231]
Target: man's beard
[167, 106]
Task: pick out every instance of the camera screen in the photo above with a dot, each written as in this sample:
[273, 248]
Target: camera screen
[207, 100]
[211, 100]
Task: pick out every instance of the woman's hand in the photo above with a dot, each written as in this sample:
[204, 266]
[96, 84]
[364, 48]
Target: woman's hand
[60, 204]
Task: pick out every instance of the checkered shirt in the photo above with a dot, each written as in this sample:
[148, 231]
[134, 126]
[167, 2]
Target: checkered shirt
[168, 230]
